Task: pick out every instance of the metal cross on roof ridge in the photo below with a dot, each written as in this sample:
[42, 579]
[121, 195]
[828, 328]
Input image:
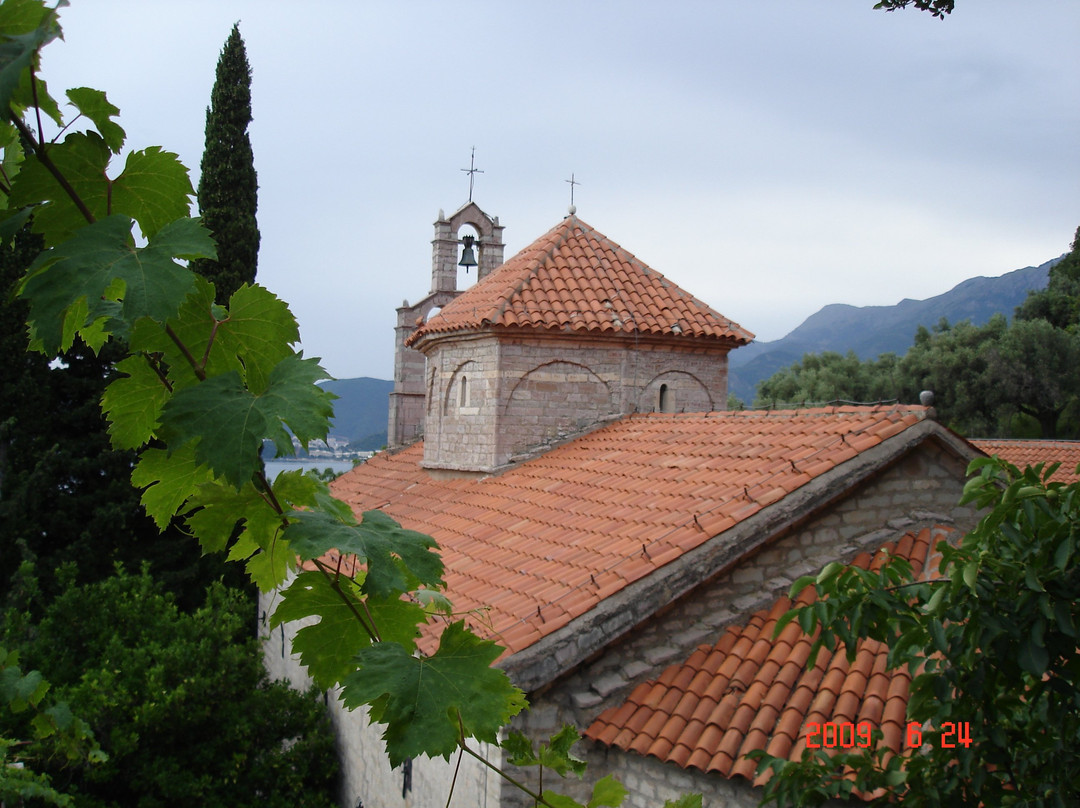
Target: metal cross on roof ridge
[572, 182]
[472, 169]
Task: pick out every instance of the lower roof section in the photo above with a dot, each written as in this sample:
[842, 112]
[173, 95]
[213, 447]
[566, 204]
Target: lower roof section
[547, 541]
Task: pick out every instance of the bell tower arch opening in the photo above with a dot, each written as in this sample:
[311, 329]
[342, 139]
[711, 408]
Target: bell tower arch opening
[449, 278]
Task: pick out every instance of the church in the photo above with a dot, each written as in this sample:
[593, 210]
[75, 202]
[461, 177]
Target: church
[560, 429]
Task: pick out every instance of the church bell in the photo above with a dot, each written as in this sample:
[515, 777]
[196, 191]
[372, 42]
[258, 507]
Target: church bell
[468, 255]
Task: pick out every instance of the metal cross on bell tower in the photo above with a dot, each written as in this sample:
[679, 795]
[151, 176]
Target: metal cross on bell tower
[471, 170]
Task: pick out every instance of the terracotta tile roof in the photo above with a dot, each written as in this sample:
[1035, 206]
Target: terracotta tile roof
[750, 691]
[1024, 453]
[545, 541]
[574, 278]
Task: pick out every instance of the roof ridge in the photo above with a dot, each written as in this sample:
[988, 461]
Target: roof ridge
[566, 224]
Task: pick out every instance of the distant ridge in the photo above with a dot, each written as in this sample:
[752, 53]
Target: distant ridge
[873, 330]
[361, 411]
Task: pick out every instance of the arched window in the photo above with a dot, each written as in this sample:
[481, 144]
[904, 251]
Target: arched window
[463, 393]
[666, 400]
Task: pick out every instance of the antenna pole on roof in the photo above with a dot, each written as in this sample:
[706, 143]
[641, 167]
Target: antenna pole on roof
[471, 170]
[573, 182]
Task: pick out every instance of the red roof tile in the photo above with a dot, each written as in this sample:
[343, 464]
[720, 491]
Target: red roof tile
[766, 710]
[594, 533]
[1025, 453]
[575, 279]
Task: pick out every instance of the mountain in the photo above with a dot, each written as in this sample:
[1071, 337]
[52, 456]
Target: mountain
[873, 330]
[361, 411]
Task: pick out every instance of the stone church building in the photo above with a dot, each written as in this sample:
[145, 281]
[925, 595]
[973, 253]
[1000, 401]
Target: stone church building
[560, 429]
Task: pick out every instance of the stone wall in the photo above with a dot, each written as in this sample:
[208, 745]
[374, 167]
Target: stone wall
[366, 774]
[525, 392]
[920, 490]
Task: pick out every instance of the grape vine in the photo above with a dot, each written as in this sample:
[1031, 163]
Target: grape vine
[202, 386]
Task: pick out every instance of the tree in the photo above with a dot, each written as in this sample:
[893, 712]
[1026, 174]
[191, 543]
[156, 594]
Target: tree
[994, 380]
[830, 376]
[228, 189]
[939, 8]
[179, 701]
[953, 361]
[201, 386]
[1059, 302]
[993, 642]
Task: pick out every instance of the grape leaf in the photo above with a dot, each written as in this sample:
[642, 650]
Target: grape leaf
[133, 402]
[328, 648]
[26, 27]
[153, 189]
[260, 328]
[293, 398]
[224, 420]
[219, 507]
[398, 560]
[267, 568]
[82, 158]
[89, 265]
[169, 480]
[229, 422]
[421, 700]
[95, 106]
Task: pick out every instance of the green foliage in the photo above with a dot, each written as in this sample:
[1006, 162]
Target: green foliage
[228, 189]
[993, 644]
[994, 380]
[1059, 302]
[179, 701]
[205, 377]
[57, 733]
[830, 376]
[939, 8]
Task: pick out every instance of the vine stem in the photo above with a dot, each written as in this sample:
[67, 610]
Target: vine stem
[50, 166]
[504, 774]
[199, 372]
[368, 623]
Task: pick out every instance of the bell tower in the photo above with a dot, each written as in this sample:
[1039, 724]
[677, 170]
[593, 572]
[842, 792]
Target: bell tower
[449, 249]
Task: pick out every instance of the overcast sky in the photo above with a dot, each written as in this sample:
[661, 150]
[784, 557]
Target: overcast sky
[770, 157]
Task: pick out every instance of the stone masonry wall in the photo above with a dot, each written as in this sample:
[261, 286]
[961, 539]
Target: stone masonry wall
[527, 392]
[920, 490]
[366, 774]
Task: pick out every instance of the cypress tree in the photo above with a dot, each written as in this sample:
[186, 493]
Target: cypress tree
[228, 191]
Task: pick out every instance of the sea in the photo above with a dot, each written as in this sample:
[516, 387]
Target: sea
[275, 467]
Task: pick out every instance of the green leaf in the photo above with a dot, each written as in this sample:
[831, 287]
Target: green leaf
[329, 647]
[218, 508]
[87, 266]
[94, 105]
[26, 27]
[261, 329]
[685, 801]
[398, 560]
[169, 480]
[1063, 552]
[224, 421]
[555, 755]
[228, 422]
[607, 791]
[293, 398]
[971, 574]
[154, 189]
[133, 402]
[424, 701]
[1033, 657]
[267, 568]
